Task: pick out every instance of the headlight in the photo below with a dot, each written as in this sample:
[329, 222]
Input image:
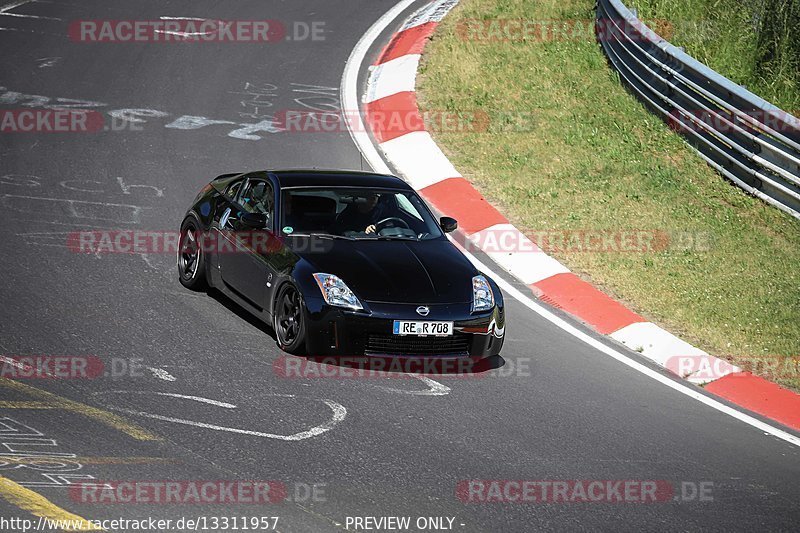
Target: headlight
[336, 292]
[482, 296]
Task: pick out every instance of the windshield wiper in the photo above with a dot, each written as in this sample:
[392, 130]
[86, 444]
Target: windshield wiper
[365, 238]
[322, 236]
[395, 238]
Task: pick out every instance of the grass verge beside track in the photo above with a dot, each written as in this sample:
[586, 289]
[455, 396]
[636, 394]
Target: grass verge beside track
[591, 158]
[755, 43]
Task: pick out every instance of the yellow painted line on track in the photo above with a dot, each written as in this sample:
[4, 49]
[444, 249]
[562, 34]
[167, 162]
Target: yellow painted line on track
[38, 505]
[27, 405]
[58, 402]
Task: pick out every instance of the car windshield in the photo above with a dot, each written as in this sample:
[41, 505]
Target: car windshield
[362, 213]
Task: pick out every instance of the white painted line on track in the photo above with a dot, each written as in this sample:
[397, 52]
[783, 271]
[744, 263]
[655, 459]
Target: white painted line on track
[349, 95]
[31, 31]
[349, 87]
[691, 392]
[339, 414]
[15, 363]
[12, 5]
[184, 18]
[5, 11]
[200, 399]
[28, 16]
[160, 373]
[46, 62]
[184, 33]
[434, 388]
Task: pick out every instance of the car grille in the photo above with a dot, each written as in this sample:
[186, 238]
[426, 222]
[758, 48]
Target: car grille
[383, 344]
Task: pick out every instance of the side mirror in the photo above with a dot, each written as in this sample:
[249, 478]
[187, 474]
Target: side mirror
[254, 220]
[448, 224]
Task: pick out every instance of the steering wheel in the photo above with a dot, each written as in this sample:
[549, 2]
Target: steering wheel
[380, 224]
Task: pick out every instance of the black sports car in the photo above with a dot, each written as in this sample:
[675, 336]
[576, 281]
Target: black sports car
[340, 263]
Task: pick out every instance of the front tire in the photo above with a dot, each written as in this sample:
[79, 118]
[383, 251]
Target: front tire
[290, 320]
[191, 262]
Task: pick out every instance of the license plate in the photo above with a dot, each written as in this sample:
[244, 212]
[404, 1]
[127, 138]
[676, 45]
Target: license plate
[413, 327]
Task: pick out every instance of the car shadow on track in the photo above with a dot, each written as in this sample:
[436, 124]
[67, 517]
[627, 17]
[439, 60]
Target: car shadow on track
[423, 366]
[240, 311]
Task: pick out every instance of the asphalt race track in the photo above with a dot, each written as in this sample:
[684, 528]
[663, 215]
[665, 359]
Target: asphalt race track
[197, 396]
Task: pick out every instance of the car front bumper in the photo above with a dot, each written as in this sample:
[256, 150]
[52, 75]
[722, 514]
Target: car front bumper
[341, 332]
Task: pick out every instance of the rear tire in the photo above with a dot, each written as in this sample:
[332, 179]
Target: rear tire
[290, 320]
[191, 261]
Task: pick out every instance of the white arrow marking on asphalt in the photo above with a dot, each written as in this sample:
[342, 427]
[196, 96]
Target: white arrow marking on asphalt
[434, 388]
[339, 413]
[226, 405]
[160, 373]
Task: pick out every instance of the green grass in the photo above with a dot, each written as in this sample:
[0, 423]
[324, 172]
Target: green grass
[594, 158]
[755, 43]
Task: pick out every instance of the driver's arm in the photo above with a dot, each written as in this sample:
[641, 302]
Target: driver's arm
[376, 215]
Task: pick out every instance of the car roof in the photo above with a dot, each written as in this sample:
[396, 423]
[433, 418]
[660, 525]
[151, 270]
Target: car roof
[337, 178]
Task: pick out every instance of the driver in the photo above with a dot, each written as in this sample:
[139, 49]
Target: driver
[360, 216]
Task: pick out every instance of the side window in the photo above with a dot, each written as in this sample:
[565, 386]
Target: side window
[258, 198]
[233, 189]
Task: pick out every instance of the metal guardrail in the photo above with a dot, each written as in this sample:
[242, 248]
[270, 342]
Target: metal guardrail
[748, 140]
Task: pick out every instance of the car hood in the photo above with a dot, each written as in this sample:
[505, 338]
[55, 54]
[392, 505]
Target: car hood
[422, 272]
